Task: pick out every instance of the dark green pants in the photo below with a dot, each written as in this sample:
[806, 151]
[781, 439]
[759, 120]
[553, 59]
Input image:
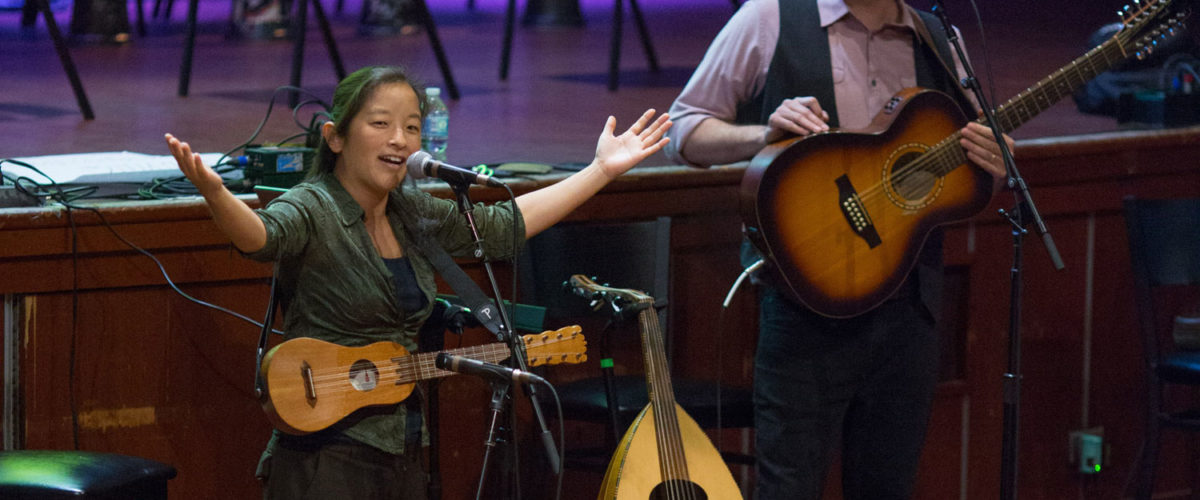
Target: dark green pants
[341, 468]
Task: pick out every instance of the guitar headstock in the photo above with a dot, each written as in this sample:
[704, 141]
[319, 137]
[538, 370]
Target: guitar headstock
[618, 298]
[564, 345]
[1147, 23]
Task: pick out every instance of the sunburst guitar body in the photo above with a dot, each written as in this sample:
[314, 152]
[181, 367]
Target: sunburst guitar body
[843, 215]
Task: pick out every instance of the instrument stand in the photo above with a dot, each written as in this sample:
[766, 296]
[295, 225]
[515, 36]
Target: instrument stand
[64, 54]
[1024, 211]
[505, 332]
[610, 389]
[446, 317]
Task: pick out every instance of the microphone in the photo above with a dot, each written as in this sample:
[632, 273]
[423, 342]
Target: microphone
[426, 166]
[470, 366]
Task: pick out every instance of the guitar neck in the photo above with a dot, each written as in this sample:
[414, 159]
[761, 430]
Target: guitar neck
[1060, 84]
[948, 154]
[422, 366]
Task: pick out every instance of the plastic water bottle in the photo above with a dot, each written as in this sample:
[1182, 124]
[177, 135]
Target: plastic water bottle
[436, 130]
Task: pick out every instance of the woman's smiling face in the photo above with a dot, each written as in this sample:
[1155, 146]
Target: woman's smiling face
[374, 152]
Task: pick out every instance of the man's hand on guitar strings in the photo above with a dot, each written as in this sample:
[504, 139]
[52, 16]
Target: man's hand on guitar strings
[982, 149]
[799, 116]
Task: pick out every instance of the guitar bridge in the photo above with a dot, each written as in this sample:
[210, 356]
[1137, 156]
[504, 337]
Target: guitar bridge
[310, 389]
[855, 213]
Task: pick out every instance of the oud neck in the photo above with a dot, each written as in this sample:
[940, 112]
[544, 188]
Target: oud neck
[672, 463]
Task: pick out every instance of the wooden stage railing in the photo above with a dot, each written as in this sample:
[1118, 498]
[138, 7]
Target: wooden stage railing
[106, 350]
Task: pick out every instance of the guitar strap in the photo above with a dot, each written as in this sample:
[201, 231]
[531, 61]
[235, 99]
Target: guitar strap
[483, 308]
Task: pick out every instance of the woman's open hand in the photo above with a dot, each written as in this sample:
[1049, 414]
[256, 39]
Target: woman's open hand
[617, 154]
[205, 179]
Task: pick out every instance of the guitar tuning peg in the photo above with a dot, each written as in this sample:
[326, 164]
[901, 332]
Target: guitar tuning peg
[595, 304]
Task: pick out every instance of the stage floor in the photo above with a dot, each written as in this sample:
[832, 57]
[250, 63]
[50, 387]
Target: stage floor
[551, 108]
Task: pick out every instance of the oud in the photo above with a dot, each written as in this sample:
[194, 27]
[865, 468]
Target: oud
[664, 453]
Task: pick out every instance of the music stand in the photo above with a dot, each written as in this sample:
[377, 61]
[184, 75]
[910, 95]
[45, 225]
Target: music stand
[299, 26]
[614, 50]
[64, 56]
[443, 63]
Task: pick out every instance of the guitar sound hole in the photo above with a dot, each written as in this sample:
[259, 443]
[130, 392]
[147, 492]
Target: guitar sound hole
[911, 183]
[678, 488]
[910, 187]
[915, 185]
[363, 375]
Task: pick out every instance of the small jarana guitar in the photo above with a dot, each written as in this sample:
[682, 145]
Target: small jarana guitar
[311, 384]
[843, 215]
[664, 454]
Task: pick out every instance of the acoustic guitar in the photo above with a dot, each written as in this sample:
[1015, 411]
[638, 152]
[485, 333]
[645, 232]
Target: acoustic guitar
[843, 214]
[311, 384]
[664, 453]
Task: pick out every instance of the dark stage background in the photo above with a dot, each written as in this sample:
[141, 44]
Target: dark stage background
[551, 109]
[189, 383]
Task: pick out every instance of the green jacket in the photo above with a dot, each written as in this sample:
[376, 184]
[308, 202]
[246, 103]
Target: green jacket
[334, 286]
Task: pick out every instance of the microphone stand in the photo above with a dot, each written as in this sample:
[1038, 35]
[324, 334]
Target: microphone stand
[506, 332]
[1023, 211]
[499, 393]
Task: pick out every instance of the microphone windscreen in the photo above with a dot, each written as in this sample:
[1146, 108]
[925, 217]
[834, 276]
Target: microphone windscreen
[442, 360]
[416, 164]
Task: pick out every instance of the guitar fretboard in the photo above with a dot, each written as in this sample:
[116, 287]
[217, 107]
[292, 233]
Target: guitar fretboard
[948, 154]
[422, 366]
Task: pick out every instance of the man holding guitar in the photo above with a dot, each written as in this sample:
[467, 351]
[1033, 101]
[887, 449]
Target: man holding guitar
[784, 68]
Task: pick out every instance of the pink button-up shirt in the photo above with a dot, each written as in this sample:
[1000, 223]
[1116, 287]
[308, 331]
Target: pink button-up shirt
[868, 67]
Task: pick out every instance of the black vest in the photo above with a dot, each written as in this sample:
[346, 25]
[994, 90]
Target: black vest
[802, 66]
